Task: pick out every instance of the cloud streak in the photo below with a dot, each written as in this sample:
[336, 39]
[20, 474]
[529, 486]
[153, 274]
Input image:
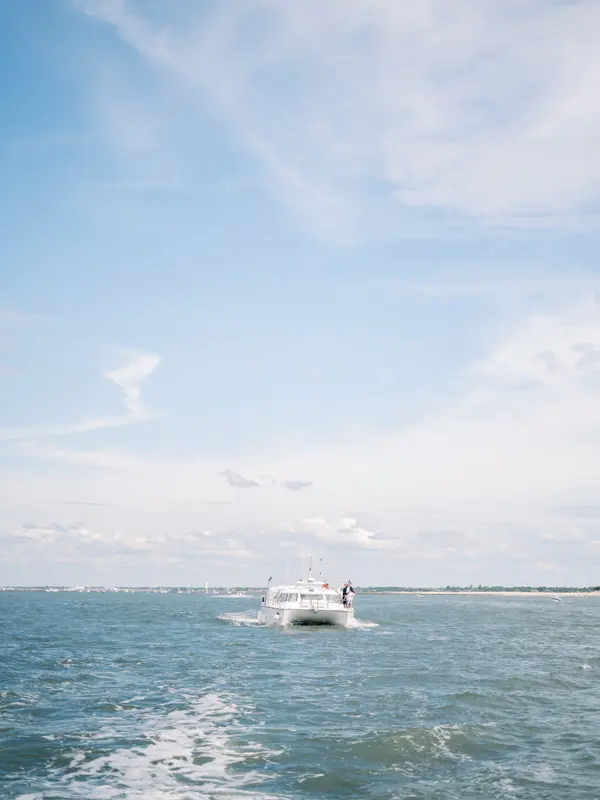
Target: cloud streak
[128, 378]
[355, 107]
[238, 481]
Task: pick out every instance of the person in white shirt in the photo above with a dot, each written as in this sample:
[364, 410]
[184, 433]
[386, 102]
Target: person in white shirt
[347, 593]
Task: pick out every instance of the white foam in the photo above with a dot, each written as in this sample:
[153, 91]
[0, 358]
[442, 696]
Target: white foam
[186, 754]
[361, 624]
[240, 619]
[543, 773]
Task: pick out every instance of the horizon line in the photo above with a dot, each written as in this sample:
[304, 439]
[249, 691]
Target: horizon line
[490, 588]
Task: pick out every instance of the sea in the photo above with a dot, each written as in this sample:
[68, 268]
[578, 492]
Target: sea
[183, 696]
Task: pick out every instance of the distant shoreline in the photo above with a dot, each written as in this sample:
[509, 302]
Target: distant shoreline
[503, 593]
[229, 590]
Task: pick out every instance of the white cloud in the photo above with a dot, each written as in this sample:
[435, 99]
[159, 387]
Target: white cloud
[550, 352]
[344, 532]
[488, 110]
[128, 378]
[567, 536]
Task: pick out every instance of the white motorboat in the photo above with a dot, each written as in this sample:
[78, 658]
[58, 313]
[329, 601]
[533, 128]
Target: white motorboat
[306, 602]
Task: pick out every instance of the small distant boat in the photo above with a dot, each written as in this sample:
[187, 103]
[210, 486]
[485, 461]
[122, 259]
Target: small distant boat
[556, 598]
[306, 602]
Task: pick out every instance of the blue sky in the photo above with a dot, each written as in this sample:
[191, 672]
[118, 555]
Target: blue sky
[346, 251]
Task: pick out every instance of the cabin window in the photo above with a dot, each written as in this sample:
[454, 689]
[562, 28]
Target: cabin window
[312, 597]
[287, 598]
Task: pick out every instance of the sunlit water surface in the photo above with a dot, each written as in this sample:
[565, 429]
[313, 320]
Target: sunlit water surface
[156, 696]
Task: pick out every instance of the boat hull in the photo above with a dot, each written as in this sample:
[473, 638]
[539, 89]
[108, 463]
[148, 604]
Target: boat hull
[305, 616]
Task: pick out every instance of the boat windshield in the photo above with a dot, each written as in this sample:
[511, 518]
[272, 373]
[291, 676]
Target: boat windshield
[312, 597]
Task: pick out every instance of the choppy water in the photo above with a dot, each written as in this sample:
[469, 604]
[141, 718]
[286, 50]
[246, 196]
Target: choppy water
[172, 696]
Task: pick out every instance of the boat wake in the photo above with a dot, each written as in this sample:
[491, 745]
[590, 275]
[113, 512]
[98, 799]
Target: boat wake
[234, 618]
[200, 751]
[251, 620]
[361, 624]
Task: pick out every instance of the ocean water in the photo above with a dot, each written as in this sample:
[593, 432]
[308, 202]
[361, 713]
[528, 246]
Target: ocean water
[183, 696]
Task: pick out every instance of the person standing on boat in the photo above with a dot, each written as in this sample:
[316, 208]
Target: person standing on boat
[347, 593]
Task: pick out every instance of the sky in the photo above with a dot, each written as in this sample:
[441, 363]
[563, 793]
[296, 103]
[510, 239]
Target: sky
[282, 280]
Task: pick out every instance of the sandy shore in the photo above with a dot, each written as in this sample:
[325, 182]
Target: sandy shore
[494, 594]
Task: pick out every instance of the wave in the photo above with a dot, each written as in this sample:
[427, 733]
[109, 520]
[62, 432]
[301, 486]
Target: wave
[198, 752]
[407, 751]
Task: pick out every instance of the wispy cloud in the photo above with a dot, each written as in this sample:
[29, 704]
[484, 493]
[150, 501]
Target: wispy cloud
[492, 113]
[344, 532]
[296, 486]
[238, 481]
[128, 378]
